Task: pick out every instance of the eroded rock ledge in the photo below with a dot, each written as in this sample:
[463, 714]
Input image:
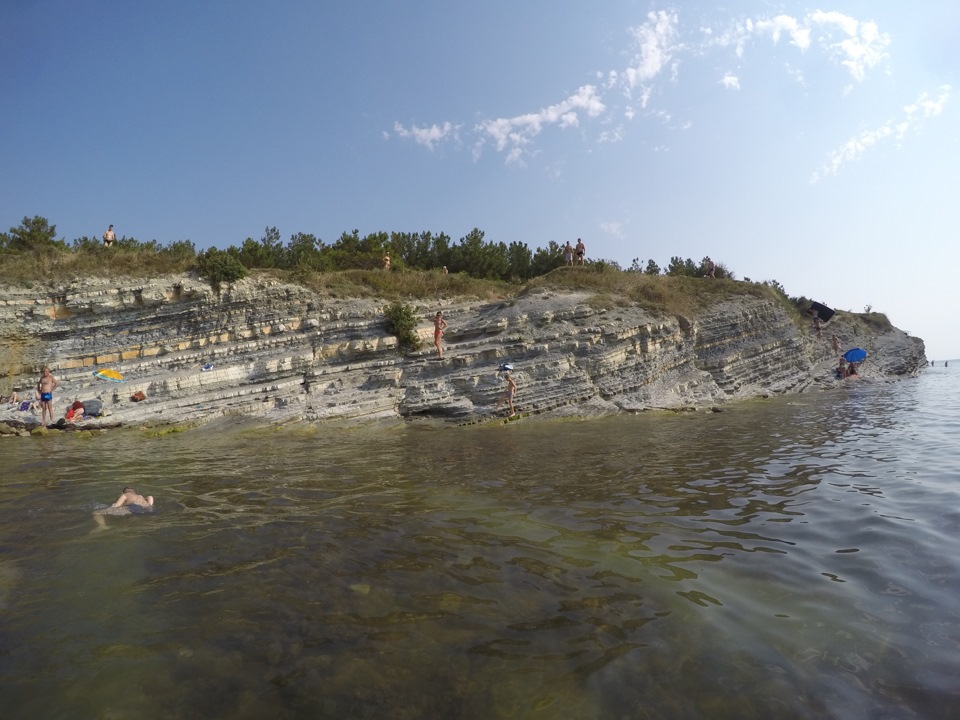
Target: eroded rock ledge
[280, 352]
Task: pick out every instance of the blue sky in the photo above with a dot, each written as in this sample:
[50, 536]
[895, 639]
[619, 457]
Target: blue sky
[812, 145]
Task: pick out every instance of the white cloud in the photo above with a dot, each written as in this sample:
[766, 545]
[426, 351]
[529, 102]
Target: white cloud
[613, 228]
[656, 50]
[516, 133]
[426, 136]
[775, 27]
[926, 106]
[611, 136]
[914, 116]
[860, 47]
[863, 48]
[656, 43]
[730, 82]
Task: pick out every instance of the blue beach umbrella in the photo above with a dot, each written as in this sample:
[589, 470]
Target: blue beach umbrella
[855, 355]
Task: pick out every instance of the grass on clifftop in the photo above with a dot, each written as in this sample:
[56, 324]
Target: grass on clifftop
[54, 266]
[398, 285]
[659, 293]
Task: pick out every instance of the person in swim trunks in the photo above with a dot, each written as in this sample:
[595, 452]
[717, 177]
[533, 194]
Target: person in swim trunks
[580, 251]
[45, 386]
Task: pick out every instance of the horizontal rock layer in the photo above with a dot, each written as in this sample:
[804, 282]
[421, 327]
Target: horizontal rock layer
[267, 348]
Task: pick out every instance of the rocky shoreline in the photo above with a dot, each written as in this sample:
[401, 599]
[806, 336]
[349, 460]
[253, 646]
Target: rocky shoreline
[280, 353]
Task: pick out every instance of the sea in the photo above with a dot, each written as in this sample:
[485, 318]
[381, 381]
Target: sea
[789, 557]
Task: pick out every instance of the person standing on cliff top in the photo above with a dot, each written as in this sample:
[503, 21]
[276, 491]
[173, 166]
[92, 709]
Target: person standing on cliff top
[580, 251]
[108, 237]
[45, 386]
[386, 261]
[568, 254]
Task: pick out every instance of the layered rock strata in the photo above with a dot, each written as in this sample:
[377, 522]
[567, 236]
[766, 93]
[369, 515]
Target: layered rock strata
[269, 349]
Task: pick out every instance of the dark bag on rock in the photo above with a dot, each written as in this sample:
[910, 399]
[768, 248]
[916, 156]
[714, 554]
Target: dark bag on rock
[92, 408]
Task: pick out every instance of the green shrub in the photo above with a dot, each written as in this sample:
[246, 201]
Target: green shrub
[219, 266]
[877, 321]
[402, 321]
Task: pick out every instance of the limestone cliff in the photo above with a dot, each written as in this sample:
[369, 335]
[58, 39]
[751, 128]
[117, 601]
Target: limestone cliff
[276, 350]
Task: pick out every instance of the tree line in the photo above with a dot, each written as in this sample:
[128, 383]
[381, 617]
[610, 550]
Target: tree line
[472, 254]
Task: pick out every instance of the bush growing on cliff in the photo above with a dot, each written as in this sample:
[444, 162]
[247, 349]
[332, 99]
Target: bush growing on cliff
[877, 321]
[402, 321]
[219, 267]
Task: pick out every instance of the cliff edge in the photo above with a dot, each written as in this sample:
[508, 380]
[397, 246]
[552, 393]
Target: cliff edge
[281, 352]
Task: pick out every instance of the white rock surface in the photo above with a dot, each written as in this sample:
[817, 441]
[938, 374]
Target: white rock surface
[280, 352]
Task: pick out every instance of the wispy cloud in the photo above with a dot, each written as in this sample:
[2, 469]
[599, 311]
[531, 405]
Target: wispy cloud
[655, 45]
[780, 25]
[515, 134]
[614, 229]
[855, 45]
[656, 52]
[730, 81]
[863, 46]
[911, 121]
[427, 136]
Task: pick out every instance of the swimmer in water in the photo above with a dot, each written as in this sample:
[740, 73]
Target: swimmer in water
[132, 497]
[129, 502]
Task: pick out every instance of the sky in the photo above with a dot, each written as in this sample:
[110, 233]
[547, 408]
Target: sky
[814, 145]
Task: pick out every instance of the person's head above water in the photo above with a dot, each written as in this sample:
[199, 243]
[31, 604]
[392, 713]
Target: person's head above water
[128, 489]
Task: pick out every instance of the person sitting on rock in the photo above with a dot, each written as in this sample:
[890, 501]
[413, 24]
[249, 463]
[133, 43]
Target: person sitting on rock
[75, 412]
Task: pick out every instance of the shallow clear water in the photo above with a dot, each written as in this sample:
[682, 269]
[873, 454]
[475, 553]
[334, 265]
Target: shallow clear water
[788, 558]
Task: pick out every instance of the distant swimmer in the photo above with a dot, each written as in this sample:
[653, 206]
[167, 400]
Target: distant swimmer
[130, 502]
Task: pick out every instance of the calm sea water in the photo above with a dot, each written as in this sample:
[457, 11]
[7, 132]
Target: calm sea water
[787, 558]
